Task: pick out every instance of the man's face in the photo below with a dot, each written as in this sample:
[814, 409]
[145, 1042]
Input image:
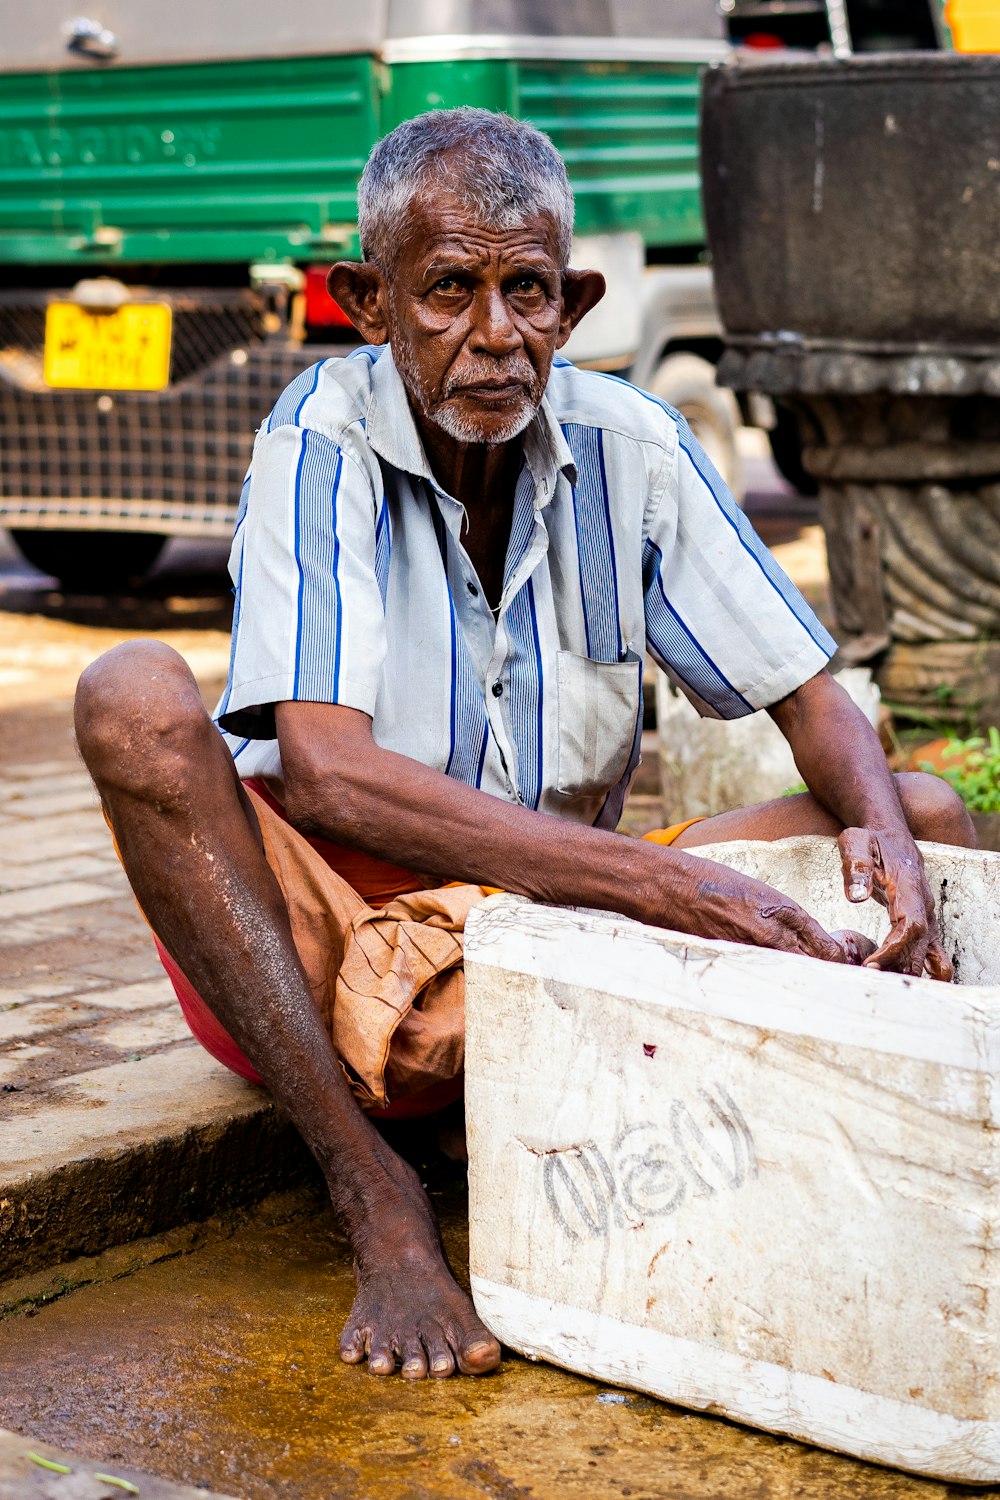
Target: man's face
[474, 317]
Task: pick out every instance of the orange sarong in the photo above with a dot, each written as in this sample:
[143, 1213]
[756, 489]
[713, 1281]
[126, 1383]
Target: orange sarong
[385, 972]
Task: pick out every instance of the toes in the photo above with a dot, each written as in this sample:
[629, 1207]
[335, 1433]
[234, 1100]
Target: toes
[414, 1359]
[440, 1359]
[381, 1360]
[477, 1351]
[435, 1340]
[352, 1346]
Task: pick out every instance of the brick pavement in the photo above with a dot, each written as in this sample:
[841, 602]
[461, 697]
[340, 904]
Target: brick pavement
[113, 1121]
[74, 950]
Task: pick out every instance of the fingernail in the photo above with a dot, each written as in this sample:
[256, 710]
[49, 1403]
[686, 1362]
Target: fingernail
[857, 891]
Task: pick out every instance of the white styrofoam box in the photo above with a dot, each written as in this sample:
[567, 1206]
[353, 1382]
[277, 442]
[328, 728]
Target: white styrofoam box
[748, 1182]
[709, 766]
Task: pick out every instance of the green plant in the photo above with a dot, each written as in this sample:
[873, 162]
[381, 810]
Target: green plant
[935, 723]
[976, 773]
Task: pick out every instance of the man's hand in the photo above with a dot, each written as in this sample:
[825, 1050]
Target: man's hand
[841, 761]
[886, 864]
[739, 909]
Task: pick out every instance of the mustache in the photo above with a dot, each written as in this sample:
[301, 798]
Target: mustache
[517, 370]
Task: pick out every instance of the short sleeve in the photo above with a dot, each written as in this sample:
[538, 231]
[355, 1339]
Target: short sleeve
[722, 618]
[309, 622]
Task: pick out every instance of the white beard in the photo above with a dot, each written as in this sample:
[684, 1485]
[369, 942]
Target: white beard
[466, 429]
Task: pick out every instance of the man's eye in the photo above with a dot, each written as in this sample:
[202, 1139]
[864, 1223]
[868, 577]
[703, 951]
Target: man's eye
[447, 284]
[527, 285]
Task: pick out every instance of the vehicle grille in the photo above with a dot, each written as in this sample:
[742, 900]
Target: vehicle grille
[206, 326]
[22, 328]
[171, 461]
[205, 330]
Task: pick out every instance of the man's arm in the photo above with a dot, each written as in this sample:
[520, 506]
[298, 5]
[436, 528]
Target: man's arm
[842, 763]
[340, 785]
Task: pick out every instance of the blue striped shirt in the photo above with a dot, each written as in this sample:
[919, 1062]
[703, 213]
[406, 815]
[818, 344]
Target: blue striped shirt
[353, 587]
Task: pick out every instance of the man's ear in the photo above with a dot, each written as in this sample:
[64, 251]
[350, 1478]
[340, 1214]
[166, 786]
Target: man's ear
[360, 290]
[581, 290]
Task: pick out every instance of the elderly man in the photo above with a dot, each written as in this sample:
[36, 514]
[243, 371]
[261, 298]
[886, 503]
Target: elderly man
[453, 552]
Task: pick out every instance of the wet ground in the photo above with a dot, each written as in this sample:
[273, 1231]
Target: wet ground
[219, 1368]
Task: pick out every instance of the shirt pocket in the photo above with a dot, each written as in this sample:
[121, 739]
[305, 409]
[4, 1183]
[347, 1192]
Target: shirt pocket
[598, 708]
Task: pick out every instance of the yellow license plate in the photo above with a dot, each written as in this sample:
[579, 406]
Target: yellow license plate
[124, 349]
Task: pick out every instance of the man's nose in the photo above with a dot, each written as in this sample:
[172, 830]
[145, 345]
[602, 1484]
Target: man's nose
[494, 331]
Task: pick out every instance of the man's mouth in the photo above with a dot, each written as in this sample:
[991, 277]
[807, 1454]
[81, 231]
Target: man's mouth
[492, 392]
[490, 387]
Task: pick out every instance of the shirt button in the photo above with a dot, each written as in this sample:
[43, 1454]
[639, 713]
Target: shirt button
[498, 690]
[472, 588]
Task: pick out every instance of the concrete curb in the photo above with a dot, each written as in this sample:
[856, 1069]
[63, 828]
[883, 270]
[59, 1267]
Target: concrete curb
[130, 1150]
[23, 1479]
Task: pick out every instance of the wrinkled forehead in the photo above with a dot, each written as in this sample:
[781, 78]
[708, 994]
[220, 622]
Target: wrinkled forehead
[440, 223]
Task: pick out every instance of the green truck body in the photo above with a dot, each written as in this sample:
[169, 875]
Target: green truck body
[258, 159]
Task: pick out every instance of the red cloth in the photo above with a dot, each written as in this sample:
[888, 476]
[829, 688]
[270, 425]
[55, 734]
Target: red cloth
[377, 882]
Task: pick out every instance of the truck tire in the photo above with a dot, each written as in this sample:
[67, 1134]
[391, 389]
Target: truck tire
[687, 382]
[91, 562]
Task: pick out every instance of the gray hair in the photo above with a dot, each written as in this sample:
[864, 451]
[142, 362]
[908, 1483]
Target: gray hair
[502, 170]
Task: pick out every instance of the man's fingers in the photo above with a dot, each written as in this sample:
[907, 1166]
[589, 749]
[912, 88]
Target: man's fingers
[858, 856]
[874, 864]
[887, 957]
[806, 935]
[937, 963]
[903, 950]
[856, 947]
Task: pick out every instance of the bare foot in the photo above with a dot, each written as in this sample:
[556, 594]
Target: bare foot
[409, 1308]
[415, 1313]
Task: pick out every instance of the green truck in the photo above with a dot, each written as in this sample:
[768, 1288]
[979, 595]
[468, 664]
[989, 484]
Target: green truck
[175, 182]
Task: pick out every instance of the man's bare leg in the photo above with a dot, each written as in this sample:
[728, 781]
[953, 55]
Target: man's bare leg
[192, 851]
[933, 811]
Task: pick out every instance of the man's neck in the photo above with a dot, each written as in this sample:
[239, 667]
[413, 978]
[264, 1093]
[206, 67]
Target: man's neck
[481, 476]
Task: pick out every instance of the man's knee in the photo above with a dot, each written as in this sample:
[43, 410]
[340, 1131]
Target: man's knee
[138, 705]
[934, 810]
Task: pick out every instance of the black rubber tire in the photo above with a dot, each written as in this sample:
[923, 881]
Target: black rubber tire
[91, 562]
[786, 450]
[687, 382]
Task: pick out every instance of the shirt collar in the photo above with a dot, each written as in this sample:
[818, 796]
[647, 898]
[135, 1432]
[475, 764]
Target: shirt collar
[392, 433]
